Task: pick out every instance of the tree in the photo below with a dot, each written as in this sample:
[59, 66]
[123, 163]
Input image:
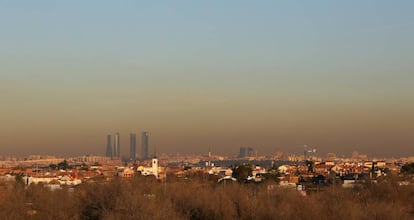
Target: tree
[318, 180]
[19, 178]
[63, 165]
[53, 166]
[408, 168]
[310, 165]
[272, 174]
[242, 172]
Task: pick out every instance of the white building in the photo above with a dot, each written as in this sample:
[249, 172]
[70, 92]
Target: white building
[153, 170]
[155, 167]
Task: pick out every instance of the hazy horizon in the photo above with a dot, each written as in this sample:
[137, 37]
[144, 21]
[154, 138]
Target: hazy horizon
[335, 75]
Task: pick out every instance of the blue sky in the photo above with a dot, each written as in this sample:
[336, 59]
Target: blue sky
[228, 61]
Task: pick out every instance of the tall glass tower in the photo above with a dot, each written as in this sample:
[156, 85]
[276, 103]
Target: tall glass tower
[117, 147]
[108, 146]
[132, 146]
[144, 146]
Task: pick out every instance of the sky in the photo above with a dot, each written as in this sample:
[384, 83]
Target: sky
[207, 75]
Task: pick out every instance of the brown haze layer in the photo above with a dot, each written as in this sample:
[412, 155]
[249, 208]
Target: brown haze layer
[76, 121]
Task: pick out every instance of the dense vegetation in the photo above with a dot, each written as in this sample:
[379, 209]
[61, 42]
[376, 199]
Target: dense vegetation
[198, 198]
[408, 168]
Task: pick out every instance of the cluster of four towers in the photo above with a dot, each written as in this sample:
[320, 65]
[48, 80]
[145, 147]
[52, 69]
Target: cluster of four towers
[114, 151]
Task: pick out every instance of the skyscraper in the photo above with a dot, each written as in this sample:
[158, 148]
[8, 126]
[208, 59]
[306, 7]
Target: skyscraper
[242, 152]
[250, 152]
[108, 146]
[117, 147]
[132, 147]
[144, 146]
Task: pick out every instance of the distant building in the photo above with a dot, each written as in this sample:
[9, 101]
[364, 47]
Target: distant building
[330, 156]
[242, 152]
[117, 147]
[132, 147]
[154, 169]
[144, 146]
[108, 146]
[126, 172]
[250, 152]
[358, 156]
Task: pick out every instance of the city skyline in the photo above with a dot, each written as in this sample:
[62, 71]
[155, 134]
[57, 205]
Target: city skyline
[207, 75]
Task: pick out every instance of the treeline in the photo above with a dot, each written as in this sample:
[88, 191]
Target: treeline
[200, 198]
[408, 169]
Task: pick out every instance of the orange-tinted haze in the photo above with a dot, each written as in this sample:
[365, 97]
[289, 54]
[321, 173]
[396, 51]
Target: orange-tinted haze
[76, 122]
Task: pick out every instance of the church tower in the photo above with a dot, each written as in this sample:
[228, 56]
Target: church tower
[155, 167]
